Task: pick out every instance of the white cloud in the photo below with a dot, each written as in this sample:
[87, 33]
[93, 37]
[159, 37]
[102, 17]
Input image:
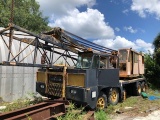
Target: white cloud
[62, 7]
[88, 24]
[130, 29]
[144, 46]
[125, 11]
[121, 42]
[117, 29]
[144, 7]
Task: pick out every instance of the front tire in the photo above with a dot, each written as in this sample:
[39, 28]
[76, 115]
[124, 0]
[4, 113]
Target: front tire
[101, 101]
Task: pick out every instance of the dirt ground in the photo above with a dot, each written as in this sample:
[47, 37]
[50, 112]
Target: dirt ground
[155, 115]
[137, 108]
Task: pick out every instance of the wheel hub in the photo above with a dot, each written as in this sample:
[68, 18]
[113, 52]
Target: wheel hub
[139, 89]
[101, 103]
[114, 96]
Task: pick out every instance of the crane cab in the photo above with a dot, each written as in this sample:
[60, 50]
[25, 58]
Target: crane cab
[131, 63]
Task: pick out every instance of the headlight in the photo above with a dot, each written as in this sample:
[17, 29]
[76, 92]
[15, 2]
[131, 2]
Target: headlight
[42, 86]
[73, 91]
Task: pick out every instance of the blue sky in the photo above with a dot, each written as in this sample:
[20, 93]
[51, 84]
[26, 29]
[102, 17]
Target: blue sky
[111, 23]
[118, 14]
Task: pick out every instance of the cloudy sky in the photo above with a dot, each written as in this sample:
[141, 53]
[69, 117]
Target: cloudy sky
[111, 23]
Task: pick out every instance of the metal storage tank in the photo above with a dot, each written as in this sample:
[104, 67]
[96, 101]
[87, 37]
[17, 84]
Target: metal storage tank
[17, 82]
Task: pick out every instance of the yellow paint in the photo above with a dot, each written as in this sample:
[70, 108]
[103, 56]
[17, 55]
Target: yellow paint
[60, 91]
[76, 80]
[64, 83]
[41, 77]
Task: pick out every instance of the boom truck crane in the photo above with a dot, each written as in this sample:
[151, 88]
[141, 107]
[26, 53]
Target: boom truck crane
[100, 77]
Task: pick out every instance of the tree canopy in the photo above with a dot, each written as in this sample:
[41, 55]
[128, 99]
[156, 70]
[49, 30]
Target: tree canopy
[26, 14]
[156, 44]
[152, 64]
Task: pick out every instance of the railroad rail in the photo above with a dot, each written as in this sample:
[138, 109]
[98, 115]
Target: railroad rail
[47, 110]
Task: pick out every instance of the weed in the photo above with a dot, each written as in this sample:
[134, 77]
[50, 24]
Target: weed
[20, 103]
[73, 113]
[110, 109]
[101, 115]
[28, 117]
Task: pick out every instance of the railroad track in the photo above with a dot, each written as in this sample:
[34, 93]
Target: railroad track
[47, 110]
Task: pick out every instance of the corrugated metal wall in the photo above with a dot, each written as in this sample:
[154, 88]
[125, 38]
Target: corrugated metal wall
[17, 82]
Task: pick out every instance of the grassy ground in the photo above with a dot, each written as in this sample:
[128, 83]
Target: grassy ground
[17, 104]
[136, 105]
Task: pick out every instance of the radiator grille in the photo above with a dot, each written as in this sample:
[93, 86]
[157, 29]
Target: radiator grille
[55, 89]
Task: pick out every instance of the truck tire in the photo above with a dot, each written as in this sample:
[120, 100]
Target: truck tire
[113, 96]
[124, 95]
[144, 87]
[101, 101]
[137, 89]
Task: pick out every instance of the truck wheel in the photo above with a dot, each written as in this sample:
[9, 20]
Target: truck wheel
[144, 87]
[137, 90]
[124, 95]
[113, 96]
[101, 101]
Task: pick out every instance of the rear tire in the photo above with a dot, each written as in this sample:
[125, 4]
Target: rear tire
[124, 95]
[101, 101]
[143, 87]
[113, 96]
[137, 89]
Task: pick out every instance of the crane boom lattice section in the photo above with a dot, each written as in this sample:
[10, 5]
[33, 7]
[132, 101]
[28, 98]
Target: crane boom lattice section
[55, 41]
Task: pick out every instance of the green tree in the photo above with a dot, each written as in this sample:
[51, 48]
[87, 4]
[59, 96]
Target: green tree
[152, 64]
[156, 44]
[26, 15]
[152, 71]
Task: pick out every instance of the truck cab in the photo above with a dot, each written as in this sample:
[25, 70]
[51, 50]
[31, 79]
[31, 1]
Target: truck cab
[93, 77]
[95, 81]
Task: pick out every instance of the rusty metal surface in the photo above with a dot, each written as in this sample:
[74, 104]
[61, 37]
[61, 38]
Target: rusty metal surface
[36, 112]
[89, 116]
[60, 100]
[39, 43]
[49, 109]
[43, 42]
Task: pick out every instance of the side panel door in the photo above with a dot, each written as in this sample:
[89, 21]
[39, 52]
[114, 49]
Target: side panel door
[108, 77]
